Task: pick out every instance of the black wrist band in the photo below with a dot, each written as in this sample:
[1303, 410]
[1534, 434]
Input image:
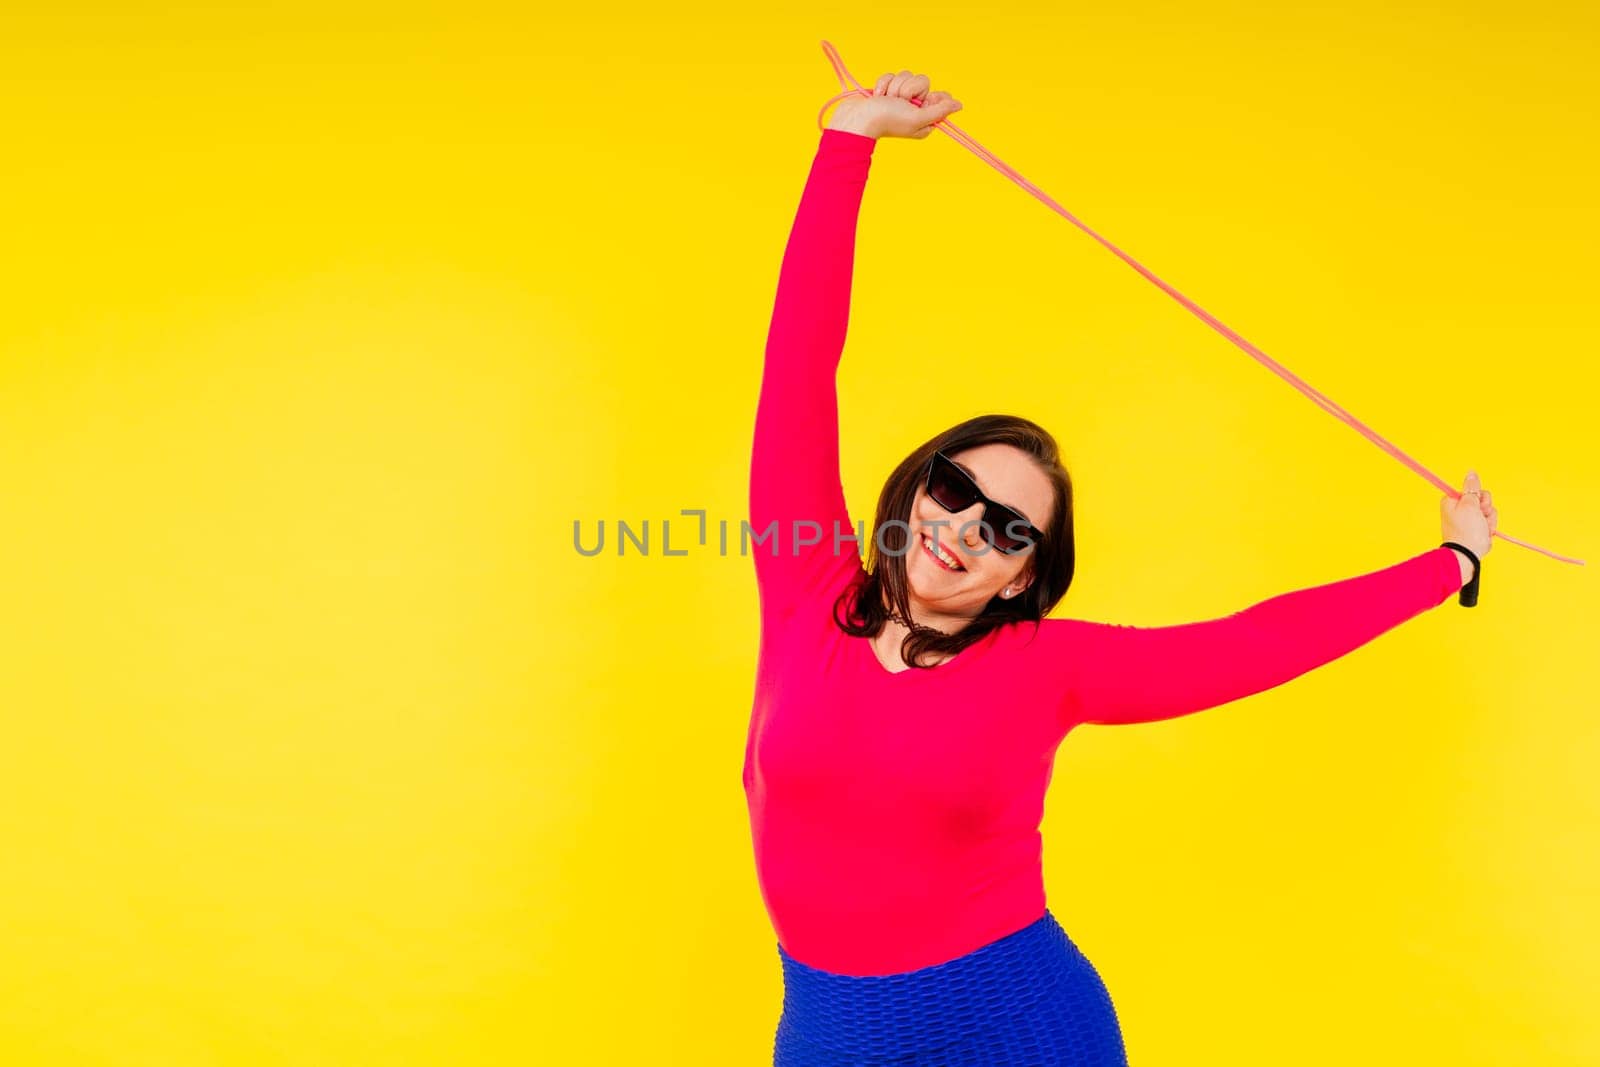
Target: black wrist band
[1469, 592]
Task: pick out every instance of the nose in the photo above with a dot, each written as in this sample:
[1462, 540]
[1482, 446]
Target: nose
[967, 526]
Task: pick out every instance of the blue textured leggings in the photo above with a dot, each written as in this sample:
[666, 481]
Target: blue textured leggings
[1030, 998]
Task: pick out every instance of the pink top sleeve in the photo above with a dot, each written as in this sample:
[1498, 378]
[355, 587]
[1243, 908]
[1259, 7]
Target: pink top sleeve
[1108, 673]
[801, 536]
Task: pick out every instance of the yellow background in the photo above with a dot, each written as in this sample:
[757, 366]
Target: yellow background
[322, 744]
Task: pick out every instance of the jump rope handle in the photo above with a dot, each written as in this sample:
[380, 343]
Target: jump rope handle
[1469, 592]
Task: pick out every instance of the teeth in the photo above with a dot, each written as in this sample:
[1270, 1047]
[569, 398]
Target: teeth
[939, 551]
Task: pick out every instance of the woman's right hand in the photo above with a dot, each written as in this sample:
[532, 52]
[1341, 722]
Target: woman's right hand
[890, 111]
[1471, 518]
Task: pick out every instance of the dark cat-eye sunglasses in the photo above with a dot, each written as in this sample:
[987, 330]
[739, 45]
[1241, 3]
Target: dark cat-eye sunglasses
[1005, 529]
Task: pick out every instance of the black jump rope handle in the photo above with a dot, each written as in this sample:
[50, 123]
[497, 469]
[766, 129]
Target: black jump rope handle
[1469, 592]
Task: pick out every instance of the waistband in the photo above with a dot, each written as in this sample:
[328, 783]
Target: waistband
[933, 1005]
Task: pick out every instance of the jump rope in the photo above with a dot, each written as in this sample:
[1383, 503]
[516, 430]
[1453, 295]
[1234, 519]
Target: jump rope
[963, 138]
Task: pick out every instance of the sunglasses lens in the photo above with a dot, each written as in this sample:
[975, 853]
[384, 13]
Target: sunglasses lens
[1011, 532]
[949, 486]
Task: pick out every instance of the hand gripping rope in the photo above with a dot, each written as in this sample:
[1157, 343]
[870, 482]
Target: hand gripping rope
[955, 132]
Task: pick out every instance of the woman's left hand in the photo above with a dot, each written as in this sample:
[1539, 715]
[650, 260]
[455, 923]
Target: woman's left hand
[900, 106]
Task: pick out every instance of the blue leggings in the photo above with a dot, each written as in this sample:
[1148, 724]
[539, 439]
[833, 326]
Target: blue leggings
[1030, 998]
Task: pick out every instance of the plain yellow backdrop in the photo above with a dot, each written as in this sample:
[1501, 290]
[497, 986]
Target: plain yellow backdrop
[323, 324]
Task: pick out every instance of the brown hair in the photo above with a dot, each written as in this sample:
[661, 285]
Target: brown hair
[860, 612]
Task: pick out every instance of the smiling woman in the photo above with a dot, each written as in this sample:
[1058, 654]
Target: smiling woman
[911, 604]
[907, 711]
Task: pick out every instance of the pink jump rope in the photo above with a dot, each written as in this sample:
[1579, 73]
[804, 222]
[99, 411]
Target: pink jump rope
[1283, 372]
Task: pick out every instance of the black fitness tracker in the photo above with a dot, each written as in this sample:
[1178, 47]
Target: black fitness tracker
[1469, 592]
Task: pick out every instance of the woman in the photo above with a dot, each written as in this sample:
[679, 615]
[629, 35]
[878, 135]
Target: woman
[907, 713]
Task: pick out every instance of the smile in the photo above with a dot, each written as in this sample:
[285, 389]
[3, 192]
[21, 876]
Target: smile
[934, 553]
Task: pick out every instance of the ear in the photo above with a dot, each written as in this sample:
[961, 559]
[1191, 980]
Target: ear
[1019, 584]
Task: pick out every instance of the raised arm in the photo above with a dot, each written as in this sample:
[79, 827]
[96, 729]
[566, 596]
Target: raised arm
[1106, 673]
[794, 461]
[796, 500]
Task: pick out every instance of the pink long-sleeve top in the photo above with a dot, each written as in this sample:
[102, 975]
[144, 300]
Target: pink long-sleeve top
[895, 814]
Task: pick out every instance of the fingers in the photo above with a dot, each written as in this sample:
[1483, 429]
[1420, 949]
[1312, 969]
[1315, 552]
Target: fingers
[931, 108]
[1473, 497]
[1479, 495]
[906, 85]
[1484, 498]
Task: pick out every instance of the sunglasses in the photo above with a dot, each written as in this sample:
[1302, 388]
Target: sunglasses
[954, 490]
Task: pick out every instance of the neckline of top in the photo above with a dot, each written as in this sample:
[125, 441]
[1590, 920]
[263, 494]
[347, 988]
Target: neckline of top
[955, 662]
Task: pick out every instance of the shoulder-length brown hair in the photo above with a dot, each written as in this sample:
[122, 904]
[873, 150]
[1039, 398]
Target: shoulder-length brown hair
[860, 611]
